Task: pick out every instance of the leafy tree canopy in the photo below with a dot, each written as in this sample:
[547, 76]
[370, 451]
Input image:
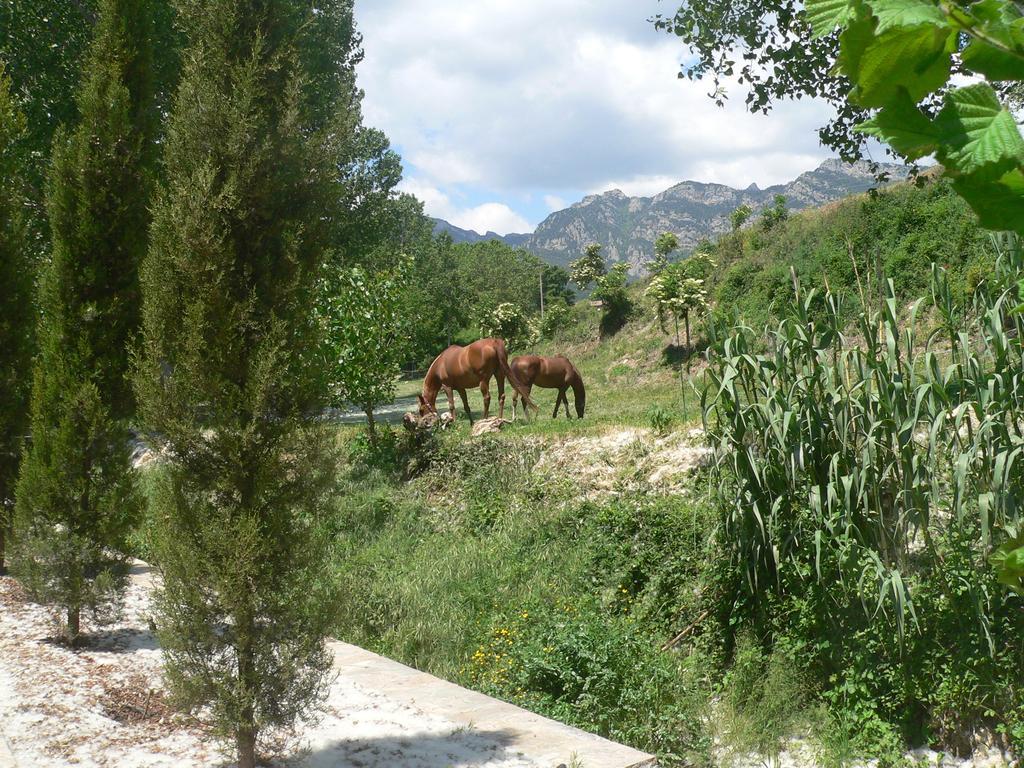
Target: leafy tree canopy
[774, 51]
[589, 267]
[366, 331]
[899, 56]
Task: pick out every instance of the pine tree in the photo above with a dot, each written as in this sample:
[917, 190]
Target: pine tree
[16, 317]
[76, 495]
[230, 380]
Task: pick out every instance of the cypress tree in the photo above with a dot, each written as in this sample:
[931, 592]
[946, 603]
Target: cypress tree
[76, 496]
[16, 317]
[229, 379]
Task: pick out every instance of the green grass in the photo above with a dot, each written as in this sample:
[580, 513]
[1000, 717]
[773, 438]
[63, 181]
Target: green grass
[484, 572]
[625, 375]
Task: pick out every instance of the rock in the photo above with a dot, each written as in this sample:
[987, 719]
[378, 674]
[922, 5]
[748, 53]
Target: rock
[485, 426]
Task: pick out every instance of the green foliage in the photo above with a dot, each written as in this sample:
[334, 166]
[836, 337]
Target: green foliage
[863, 486]
[661, 419]
[582, 666]
[664, 246]
[898, 232]
[764, 701]
[678, 293]
[898, 54]
[488, 573]
[610, 289]
[507, 321]
[1008, 561]
[16, 316]
[556, 317]
[588, 268]
[438, 309]
[46, 47]
[740, 216]
[77, 502]
[775, 214]
[488, 274]
[76, 499]
[229, 380]
[366, 333]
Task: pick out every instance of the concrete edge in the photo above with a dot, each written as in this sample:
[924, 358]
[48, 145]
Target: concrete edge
[539, 738]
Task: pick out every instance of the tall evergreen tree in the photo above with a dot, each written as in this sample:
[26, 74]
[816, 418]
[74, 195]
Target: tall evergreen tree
[16, 317]
[229, 379]
[76, 495]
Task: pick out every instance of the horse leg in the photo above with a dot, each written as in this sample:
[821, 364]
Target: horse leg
[515, 399]
[451, 401]
[465, 404]
[485, 392]
[558, 402]
[565, 402]
[501, 396]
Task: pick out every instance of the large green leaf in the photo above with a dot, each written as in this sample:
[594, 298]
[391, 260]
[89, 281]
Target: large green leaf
[999, 204]
[977, 135]
[916, 59]
[853, 42]
[825, 15]
[903, 127]
[1008, 562]
[1000, 56]
[906, 13]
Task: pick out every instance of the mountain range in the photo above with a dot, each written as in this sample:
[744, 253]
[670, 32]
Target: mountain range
[628, 226]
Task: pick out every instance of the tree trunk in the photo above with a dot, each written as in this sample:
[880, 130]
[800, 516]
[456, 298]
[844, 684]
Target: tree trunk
[245, 740]
[245, 735]
[686, 318]
[371, 425]
[3, 546]
[74, 624]
[676, 319]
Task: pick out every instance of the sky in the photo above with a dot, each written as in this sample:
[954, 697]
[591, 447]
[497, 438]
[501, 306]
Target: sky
[506, 110]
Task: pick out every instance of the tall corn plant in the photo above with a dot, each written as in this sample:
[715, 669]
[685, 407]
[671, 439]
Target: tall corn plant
[848, 446]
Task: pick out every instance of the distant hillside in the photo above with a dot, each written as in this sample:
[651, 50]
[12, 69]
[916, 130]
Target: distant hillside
[459, 235]
[627, 226]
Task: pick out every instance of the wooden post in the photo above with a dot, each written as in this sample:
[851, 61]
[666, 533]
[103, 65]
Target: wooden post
[542, 297]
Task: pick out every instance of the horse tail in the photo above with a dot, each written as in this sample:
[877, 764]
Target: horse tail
[579, 393]
[510, 375]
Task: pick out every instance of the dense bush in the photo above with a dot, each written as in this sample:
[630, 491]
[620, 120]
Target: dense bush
[864, 480]
[485, 572]
[849, 246]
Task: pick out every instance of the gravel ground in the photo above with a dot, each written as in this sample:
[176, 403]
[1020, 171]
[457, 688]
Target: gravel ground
[104, 705]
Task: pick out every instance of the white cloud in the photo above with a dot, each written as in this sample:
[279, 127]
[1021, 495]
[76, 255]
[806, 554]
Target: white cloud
[483, 218]
[532, 97]
[491, 217]
[554, 202]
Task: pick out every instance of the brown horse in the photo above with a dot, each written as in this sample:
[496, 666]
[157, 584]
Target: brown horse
[551, 373]
[460, 367]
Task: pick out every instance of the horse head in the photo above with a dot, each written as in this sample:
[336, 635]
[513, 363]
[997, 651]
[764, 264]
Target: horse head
[425, 407]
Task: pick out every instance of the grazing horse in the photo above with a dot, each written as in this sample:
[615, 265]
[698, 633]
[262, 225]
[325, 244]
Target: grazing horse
[551, 373]
[460, 367]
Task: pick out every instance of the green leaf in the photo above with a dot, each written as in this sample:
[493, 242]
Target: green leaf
[853, 42]
[825, 15]
[977, 135]
[916, 59]
[903, 127]
[906, 13]
[999, 204]
[1001, 55]
[1008, 562]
